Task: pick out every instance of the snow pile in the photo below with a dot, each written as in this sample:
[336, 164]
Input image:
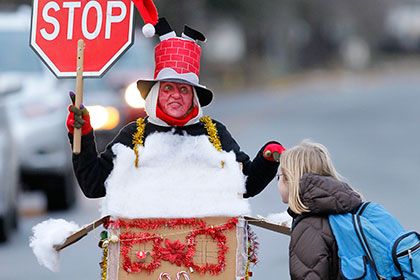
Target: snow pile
[283, 219]
[179, 176]
[46, 235]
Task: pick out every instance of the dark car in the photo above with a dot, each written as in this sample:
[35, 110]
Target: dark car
[8, 167]
[36, 112]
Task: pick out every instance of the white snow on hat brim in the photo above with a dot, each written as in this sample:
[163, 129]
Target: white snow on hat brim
[45, 236]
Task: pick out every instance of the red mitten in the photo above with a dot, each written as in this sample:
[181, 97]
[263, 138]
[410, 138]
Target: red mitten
[78, 118]
[273, 151]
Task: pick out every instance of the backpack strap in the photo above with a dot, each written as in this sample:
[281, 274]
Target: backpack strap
[362, 208]
[362, 238]
[359, 231]
[138, 139]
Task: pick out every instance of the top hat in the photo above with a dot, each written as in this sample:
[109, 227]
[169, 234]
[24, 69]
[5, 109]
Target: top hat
[177, 59]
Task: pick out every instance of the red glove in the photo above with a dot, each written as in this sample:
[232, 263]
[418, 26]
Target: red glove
[78, 118]
[273, 151]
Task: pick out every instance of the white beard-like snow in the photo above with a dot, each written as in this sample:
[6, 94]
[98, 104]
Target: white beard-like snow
[177, 177]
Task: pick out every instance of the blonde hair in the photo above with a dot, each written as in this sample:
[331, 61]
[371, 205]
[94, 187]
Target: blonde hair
[307, 157]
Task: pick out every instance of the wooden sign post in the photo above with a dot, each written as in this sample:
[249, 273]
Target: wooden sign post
[77, 135]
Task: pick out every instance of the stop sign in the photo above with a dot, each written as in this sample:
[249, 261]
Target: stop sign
[106, 26]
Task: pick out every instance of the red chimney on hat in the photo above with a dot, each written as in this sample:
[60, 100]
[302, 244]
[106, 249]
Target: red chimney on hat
[177, 59]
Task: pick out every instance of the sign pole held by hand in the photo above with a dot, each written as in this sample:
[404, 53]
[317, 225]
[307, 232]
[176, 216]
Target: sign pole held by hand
[77, 136]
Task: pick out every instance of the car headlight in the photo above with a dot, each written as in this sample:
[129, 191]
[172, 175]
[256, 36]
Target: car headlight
[103, 118]
[133, 97]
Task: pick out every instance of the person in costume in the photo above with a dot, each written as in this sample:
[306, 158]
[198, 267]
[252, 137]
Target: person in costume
[174, 102]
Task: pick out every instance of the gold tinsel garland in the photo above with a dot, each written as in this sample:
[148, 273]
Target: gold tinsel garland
[213, 135]
[212, 132]
[138, 139]
[104, 263]
[248, 264]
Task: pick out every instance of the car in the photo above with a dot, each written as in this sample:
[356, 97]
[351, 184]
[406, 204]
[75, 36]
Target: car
[9, 185]
[37, 113]
[402, 28]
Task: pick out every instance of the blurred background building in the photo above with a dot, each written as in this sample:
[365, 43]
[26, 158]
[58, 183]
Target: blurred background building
[254, 42]
[268, 39]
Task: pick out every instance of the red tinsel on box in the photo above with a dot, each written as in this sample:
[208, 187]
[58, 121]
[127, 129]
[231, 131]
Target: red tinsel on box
[153, 224]
[221, 244]
[174, 252]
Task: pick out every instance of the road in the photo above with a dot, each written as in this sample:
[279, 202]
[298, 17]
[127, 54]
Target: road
[369, 122]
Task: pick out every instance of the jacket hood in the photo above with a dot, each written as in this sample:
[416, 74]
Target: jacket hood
[326, 195]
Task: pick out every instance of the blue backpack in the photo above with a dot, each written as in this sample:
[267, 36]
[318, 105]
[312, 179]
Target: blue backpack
[372, 244]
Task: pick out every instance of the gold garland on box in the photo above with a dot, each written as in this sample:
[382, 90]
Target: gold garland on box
[104, 263]
[138, 139]
[247, 266]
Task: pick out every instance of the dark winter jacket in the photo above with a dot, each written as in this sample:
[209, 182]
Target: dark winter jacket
[92, 170]
[313, 249]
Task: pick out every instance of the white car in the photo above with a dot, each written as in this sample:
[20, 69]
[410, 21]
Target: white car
[37, 111]
[402, 26]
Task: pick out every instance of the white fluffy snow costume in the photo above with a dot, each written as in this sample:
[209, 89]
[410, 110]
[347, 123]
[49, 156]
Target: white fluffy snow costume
[177, 176]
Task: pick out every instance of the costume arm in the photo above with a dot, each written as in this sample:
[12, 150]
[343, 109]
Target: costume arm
[259, 171]
[91, 169]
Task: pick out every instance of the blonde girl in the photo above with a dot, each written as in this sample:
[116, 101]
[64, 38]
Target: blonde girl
[313, 189]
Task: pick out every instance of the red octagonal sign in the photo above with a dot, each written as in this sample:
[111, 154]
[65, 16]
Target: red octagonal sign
[106, 26]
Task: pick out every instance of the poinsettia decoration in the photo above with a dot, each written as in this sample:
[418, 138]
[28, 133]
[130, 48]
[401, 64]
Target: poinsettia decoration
[173, 252]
